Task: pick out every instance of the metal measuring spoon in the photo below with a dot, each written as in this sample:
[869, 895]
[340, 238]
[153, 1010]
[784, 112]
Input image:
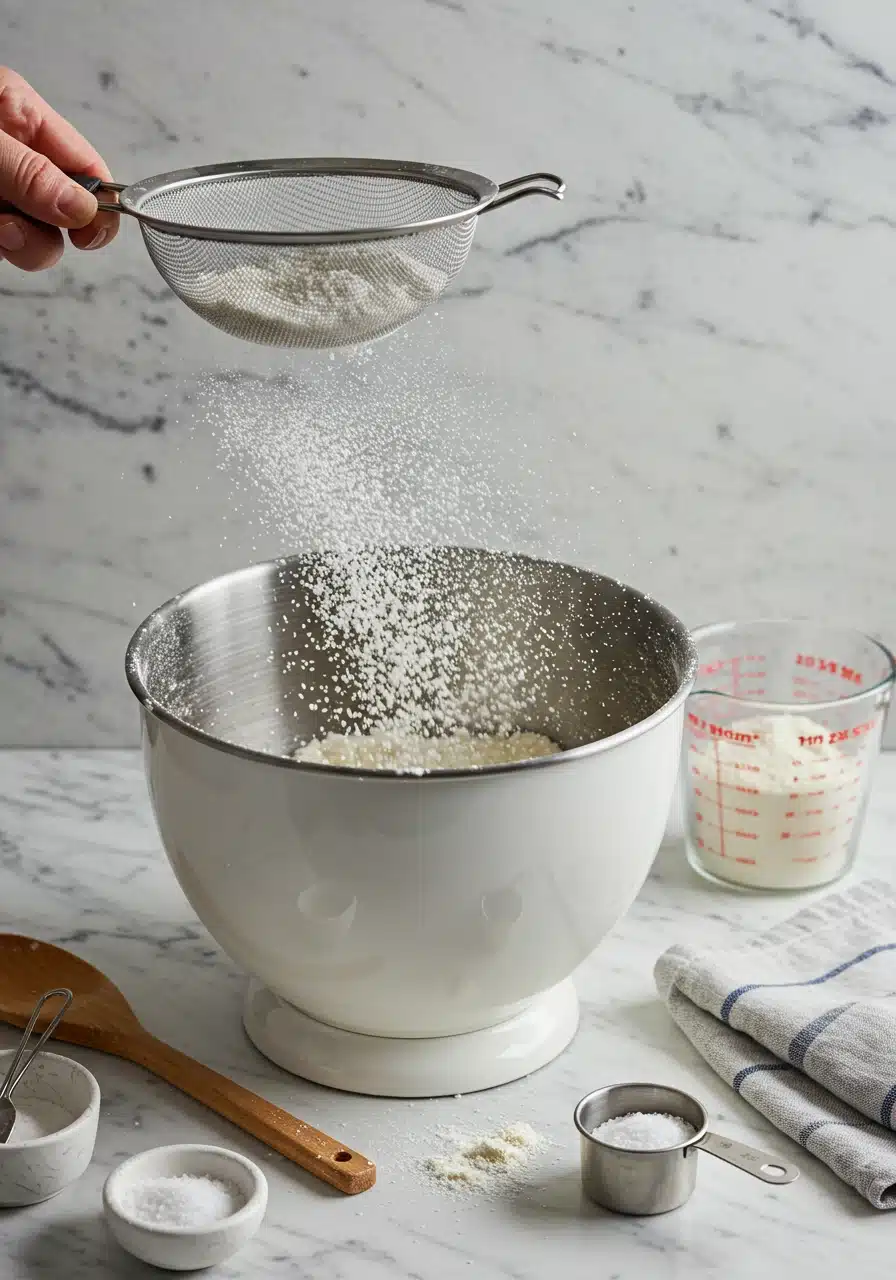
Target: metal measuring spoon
[651, 1181]
[17, 1067]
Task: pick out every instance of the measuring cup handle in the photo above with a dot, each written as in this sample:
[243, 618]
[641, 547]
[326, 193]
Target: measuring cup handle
[758, 1163]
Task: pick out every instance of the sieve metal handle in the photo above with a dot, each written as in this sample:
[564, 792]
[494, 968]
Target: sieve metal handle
[758, 1163]
[109, 206]
[533, 184]
[83, 180]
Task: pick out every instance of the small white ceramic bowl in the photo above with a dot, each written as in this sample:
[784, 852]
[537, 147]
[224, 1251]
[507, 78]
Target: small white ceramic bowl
[35, 1169]
[185, 1248]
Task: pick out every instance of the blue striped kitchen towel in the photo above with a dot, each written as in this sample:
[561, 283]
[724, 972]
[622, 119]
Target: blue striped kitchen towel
[801, 1022]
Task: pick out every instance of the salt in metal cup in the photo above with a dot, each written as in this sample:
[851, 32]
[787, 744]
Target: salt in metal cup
[650, 1182]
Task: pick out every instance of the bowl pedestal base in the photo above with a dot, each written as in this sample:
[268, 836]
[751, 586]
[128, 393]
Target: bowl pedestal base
[389, 1067]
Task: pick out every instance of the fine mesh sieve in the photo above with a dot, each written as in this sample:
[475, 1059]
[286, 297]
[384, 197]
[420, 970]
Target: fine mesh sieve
[313, 252]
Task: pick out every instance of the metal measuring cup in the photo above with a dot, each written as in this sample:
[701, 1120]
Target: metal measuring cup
[648, 1182]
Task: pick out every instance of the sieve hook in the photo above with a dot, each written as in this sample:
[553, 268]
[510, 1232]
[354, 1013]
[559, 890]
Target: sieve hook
[533, 184]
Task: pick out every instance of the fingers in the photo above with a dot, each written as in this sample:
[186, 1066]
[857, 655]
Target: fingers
[26, 117]
[28, 247]
[33, 184]
[99, 231]
[37, 148]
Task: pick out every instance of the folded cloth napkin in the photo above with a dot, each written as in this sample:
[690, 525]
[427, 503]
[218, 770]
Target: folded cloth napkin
[801, 1022]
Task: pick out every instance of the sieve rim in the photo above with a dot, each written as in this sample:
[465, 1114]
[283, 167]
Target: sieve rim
[152, 708]
[135, 194]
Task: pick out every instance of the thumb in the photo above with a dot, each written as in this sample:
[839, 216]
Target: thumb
[33, 184]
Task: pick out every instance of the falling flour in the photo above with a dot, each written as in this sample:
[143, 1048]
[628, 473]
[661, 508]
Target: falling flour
[479, 1162]
[644, 1131]
[405, 752]
[321, 295]
[376, 460]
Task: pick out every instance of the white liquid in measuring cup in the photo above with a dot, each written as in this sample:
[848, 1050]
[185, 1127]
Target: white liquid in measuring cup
[774, 798]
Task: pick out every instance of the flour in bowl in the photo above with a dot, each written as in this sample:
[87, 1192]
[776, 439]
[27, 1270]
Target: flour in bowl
[407, 752]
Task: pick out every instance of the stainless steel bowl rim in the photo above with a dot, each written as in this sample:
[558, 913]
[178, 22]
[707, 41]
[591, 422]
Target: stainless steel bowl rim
[588, 749]
[639, 1084]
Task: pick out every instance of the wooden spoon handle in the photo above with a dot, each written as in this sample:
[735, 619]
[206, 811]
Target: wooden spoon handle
[327, 1159]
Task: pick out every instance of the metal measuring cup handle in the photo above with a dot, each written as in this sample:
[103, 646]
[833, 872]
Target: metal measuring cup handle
[758, 1163]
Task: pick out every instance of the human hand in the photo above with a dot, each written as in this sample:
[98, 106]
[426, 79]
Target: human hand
[37, 148]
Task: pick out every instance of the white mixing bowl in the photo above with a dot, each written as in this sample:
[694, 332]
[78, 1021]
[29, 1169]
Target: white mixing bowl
[451, 908]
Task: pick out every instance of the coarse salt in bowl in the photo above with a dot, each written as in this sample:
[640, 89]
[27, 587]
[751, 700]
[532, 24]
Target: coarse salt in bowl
[185, 1207]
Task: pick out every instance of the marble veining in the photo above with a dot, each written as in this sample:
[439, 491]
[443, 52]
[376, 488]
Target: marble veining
[693, 350]
[80, 865]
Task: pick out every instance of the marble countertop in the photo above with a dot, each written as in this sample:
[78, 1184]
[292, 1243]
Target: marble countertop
[81, 865]
[680, 376]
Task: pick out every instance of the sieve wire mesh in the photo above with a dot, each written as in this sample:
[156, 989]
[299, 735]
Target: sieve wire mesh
[309, 295]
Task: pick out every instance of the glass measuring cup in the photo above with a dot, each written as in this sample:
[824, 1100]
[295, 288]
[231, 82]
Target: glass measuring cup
[782, 732]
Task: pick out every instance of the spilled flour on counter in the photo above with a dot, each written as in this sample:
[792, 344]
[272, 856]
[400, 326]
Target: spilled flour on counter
[480, 1162]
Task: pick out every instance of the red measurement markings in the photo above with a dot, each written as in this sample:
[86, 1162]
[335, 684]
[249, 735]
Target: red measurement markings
[815, 834]
[720, 731]
[728, 786]
[738, 673]
[718, 782]
[828, 666]
[835, 736]
[729, 808]
[808, 795]
[735, 677]
[719, 797]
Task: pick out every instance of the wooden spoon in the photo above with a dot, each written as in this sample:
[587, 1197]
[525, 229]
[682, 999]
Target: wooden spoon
[101, 1018]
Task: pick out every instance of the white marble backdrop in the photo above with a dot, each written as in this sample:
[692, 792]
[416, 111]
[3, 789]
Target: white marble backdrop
[694, 348]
